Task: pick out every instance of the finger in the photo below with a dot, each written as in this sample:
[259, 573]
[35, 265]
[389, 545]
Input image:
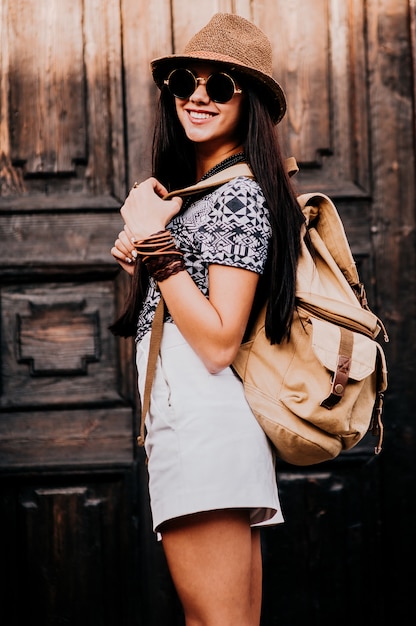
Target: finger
[158, 187]
[132, 238]
[120, 253]
[174, 206]
[128, 233]
[178, 201]
[128, 267]
[125, 241]
[124, 248]
[133, 188]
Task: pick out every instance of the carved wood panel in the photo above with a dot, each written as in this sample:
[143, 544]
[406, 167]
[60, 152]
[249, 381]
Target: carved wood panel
[61, 124]
[58, 353]
[60, 386]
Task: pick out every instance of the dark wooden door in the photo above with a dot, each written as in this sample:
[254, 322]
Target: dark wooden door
[76, 106]
[69, 540]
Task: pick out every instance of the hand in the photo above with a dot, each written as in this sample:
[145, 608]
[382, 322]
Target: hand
[144, 212]
[124, 252]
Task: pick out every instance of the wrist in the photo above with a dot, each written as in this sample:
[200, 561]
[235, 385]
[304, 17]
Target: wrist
[137, 241]
[160, 255]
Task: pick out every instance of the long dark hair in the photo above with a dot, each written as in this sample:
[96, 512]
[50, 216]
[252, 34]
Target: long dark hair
[174, 166]
[277, 285]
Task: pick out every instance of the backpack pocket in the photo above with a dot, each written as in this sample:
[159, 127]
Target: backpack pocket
[326, 341]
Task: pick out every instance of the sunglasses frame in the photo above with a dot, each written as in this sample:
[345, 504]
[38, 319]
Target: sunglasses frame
[203, 81]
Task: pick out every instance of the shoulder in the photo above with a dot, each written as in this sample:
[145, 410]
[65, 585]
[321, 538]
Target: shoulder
[238, 205]
[239, 194]
[241, 185]
[238, 202]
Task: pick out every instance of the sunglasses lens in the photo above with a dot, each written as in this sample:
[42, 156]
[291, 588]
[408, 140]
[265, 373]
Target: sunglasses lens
[220, 87]
[181, 83]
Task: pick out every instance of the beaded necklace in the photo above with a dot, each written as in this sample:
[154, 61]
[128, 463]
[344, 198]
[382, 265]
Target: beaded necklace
[231, 160]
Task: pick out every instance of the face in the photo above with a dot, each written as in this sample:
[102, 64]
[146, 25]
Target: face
[209, 124]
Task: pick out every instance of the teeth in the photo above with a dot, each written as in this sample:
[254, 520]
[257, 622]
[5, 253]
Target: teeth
[200, 116]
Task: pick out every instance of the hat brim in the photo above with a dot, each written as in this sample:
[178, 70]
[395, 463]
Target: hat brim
[270, 88]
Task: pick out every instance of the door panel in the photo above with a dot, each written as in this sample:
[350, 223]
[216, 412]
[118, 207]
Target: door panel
[320, 61]
[62, 122]
[67, 543]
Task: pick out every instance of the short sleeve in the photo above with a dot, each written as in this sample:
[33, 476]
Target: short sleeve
[236, 231]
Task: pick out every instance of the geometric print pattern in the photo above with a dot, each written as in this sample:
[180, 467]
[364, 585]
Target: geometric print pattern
[227, 226]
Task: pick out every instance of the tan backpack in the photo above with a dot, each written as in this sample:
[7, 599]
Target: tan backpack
[320, 392]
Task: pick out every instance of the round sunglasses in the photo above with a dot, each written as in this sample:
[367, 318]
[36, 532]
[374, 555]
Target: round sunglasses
[220, 86]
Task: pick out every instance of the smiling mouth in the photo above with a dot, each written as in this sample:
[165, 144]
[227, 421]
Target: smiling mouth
[200, 115]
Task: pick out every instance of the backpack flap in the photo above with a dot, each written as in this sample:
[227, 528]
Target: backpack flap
[326, 342]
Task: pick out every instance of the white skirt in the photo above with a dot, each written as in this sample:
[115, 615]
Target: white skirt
[205, 449]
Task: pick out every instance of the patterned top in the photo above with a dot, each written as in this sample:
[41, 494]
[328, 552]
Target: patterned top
[227, 226]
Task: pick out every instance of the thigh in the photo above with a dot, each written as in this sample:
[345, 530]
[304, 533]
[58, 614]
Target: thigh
[211, 560]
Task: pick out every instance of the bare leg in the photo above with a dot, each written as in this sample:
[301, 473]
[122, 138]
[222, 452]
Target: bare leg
[215, 562]
[256, 577]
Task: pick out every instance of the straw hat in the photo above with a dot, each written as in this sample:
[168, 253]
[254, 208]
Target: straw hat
[234, 41]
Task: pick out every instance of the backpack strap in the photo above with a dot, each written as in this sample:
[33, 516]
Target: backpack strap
[376, 425]
[154, 346]
[341, 375]
[239, 169]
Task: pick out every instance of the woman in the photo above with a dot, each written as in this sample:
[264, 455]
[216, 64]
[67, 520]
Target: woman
[214, 258]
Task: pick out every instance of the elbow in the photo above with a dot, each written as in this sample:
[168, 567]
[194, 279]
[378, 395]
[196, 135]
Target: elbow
[219, 360]
[215, 368]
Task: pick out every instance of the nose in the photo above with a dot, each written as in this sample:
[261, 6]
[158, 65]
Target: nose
[200, 92]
